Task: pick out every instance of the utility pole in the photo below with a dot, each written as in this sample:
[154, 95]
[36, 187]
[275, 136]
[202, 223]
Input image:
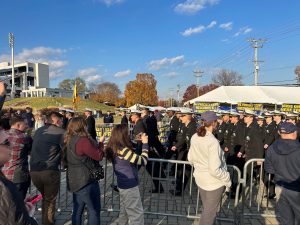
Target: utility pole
[178, 90]
[198, 75]
[171, 96]
[256, 44]
[11, 40]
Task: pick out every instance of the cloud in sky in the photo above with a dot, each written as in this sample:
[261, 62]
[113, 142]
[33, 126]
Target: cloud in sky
[110, 2]
[243, 30]
[166, 62]
[90, 74]
[122, 73]
[87, 72]
[194, 6]
[195, 30]
[212, 24]
[226, 26]
[42, 54]
[56, 64]
[198, 29]
[171, 74]
[94, 78]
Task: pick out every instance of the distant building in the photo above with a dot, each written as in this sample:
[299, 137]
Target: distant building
[27, 75]
[50, 92]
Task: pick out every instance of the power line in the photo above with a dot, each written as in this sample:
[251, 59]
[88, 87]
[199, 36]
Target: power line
[279, 81]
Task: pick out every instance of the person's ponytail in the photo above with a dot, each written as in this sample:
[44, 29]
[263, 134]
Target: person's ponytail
[201, 131]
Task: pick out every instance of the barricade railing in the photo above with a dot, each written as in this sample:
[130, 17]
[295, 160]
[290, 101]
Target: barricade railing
[235, 207]
[255, 194]
[171, 173]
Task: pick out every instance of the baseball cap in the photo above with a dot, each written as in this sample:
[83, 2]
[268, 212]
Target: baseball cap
[288, 128]
[209, 116]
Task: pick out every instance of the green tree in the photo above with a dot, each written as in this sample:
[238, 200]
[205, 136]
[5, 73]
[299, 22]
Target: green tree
[68, 84]
[65, 84]
[81, 85]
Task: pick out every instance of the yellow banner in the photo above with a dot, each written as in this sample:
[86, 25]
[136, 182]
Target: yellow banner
[106, 131]
[250, 106]
[290, 108]
[201, 107]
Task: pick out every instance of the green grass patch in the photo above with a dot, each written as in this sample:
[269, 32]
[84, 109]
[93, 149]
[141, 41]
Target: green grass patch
[48, 102]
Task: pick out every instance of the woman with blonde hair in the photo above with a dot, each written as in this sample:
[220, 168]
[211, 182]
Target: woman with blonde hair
[81, 150]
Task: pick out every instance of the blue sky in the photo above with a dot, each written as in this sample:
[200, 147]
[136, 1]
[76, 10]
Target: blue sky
[112, 40]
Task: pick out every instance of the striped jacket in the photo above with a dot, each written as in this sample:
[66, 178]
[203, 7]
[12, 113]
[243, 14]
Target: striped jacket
[126, 166]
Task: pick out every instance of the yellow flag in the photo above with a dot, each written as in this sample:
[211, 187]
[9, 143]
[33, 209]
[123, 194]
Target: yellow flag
[76, 97]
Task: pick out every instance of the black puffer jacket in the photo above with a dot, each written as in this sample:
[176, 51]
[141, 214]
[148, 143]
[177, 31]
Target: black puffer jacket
[12, 207]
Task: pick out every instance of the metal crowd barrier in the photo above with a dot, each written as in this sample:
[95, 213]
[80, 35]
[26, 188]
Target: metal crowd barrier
[255, 201]
[187, 205]
[163, 204]
[246, 203]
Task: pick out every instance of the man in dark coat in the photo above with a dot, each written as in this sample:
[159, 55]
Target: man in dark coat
[29, 117]
[182, 147]
[253, 139]
[152, 132]
[282, 160]
[108, 118]
[270, 133]
[153, 169]
[277, 118]
[124, 119]
[64, 118]
[174, 127]
[90, 120]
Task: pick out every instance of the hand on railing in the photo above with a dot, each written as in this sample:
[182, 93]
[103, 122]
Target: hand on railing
[239, 155]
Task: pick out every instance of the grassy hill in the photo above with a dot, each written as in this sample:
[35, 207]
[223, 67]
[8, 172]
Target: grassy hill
[48, 102]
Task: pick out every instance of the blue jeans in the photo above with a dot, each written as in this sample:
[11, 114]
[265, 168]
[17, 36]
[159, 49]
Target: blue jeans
[88, 196]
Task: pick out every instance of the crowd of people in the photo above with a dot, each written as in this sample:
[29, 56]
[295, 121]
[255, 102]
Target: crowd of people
[37, 148]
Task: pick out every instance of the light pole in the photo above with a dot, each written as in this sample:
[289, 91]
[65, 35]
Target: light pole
[198, 75]
[11, 39]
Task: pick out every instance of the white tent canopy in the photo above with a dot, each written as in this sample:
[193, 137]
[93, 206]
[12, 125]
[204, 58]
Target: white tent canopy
[136, 107]
[158, 108]
[251, 94]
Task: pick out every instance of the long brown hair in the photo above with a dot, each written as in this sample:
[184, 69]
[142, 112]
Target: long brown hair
[119, 139]
[201, 131]
[76, 127]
